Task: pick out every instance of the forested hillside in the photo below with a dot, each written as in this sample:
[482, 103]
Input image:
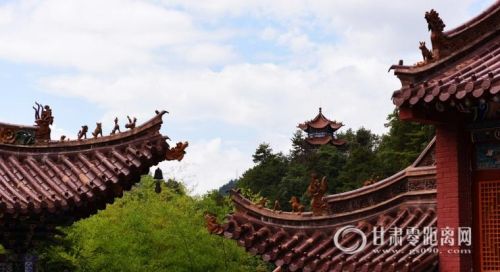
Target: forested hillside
[367, 156]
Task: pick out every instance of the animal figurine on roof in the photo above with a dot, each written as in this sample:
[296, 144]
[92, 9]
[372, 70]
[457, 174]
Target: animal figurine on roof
[296, 206]
[316, 190]
[262, 202]
[83, 132]
[426, 53]
[116, 127]
[131, 123]
[47, 114]
[97, 130]
[277, 206]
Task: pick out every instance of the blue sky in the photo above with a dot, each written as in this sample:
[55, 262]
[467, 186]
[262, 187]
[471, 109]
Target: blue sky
[233, 74]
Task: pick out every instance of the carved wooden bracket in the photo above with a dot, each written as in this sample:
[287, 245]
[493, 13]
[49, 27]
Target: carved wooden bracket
[177, 152]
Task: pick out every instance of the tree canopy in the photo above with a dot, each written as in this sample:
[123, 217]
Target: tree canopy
[145, 231]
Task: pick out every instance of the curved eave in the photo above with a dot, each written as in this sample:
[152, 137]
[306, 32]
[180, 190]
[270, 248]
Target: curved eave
[473, 76]
[469, 32]
[414, 180]
[17, 126]
[35, 183]
[320, 122]
[311, 248]
[424, 198]
[387, 182]
[320, 125]
[416, 71]
[325, 140]
[303, 242]
[42, 186]
[493, 10]
[151, 126]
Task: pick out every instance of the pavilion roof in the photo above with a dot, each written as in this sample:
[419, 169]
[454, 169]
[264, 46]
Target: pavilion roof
[319, 122]
[329, 139]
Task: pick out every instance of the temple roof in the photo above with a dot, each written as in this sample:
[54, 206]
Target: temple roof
[304, 242]
[462, 67]
[319, 122]
[50, 183]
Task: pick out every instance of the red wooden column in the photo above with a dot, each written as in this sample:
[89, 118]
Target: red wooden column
[454, 194]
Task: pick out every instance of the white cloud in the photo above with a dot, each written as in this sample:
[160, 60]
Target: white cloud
[210, 164]
[132, 57]
[269, 33]
[92, 35]
[296, 41]
[6, 16]
[208, 54]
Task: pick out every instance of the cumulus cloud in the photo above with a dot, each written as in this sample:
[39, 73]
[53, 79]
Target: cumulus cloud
[258, 66]
[95, 36]
[210, 164]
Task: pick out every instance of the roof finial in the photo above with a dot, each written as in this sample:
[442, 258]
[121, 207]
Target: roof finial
[440, 42]
[319, 109]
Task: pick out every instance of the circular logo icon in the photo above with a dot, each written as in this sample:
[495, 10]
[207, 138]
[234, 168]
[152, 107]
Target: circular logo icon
[497, 134]
[356, 247]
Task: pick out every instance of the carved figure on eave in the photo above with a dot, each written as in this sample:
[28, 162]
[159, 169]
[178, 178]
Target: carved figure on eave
[368, 182]
[43, 120]
[47, 115]
[296, 206]
[7, 136]
[97, 130]
[262, 202]
[212, 225]
[83, 132]
[43, 113]
[426, 53]
[316, 190]
[277, 206]
[440, 44]
[159, 112]
[178, 152]
[116, 127]
[131, 122]
[37, 110]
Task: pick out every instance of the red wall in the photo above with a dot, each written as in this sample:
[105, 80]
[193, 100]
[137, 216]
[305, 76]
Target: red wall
[454, 192]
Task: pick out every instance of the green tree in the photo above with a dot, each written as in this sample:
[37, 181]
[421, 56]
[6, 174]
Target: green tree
[265, 176]
[402, 144]
[300, 148]
[361, 163]
[263, 153]
[145, 231]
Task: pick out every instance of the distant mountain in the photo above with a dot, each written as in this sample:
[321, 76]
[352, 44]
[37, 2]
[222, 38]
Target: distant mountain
[224, 189]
